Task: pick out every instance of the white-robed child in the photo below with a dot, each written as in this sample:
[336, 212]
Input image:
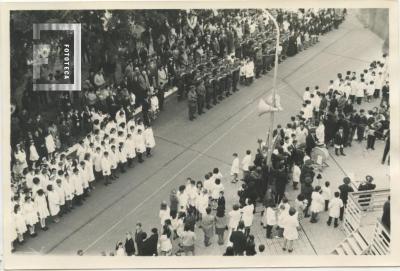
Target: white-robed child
[296, 175]
[282, 215]
[30, 214]
[106, 168]
[90, 171]
[33, 154]
[326, 194]
[269, 219]
[215, 190]
[291, 230]
[300, 204]
[140, 145]
[19, 222]
[41, 208]
[317, 204]
[164, 213]
[60, 190]
[77, 182]
[122, 157]
[235, 168]
[149, 140]
[334, 209]
[131, 150]
[54, 203]
[85, 178]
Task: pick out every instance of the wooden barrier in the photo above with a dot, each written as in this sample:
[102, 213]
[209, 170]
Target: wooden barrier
[359, 204]
[380, 244]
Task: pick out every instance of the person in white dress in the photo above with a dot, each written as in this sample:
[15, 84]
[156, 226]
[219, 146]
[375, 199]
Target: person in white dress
[234, 217]
[97, 156]
[215, 190]
[149, 140]
[130, 148]
[164, 213]
[83, 168]
[54, 203]
[246, 162]
[41, 208]
[77, 182]
[334, 209]
[249, 71]
[269, 219]
[90, 171]
[320, 133]
[140, 145]
[113, 159]
[20, 160]
[317, 204]
[30, 214]
[247, 216]
[291, 230]
[235, 168]
[19, 222]
[33, 154]
[202, 202]
[69, 187]
[106, 168]
[60, 190]
[50, 145]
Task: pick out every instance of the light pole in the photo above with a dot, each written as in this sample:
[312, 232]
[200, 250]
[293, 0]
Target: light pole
[274, 89]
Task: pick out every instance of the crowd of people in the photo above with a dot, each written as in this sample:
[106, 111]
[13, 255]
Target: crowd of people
[334, 120]
[102, 118]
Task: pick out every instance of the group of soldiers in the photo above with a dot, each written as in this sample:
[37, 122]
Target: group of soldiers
[209, 83]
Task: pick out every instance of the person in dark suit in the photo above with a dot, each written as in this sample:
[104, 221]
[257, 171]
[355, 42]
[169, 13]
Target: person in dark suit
[344, 189]
[386, 214]
[140, 236]
[150, 244]
[310, 142]
[339, 142]
[239, 240]
[129, 244]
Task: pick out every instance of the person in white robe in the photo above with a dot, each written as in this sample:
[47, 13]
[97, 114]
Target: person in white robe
[149, 140]
[234, 217]
[106, 168]
[291, 232]
[320, 133]
[54, 203]
[246, 162]
[247, 216]
[30, 214]
[19, 222]
[164, 213]
[202, 202]
[334, 209]
[90, 171]
[317, 204]
[130, 149]
[68, 186]
[97, 156]
[41, 208]
[235, 168]
[33, 154]
[140, 145]
[60, 190]
[83, 168]
[20, 160]
[50, 145]
[77, 182]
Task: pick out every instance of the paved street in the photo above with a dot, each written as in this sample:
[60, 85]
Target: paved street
[186, 148]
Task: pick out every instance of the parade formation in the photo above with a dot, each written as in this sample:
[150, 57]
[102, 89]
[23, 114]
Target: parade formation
[61, 153]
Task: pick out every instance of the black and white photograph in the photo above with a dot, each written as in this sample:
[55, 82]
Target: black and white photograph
[213, 131]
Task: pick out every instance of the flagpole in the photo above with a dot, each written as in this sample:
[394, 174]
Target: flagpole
[274, 90]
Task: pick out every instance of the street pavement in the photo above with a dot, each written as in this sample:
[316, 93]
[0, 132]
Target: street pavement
[191, 149]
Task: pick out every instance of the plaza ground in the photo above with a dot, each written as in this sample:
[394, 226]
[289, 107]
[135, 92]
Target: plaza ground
[191, 149]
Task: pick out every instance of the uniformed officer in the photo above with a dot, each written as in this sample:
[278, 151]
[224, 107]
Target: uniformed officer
[236, 75]
[228, 82]
[209, 90]
[221, 84]
[192, 102]
[214, 84]
[201, 95]
[258, 60]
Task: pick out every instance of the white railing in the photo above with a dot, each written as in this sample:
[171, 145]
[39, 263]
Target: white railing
[380, 244]
[359, 204]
